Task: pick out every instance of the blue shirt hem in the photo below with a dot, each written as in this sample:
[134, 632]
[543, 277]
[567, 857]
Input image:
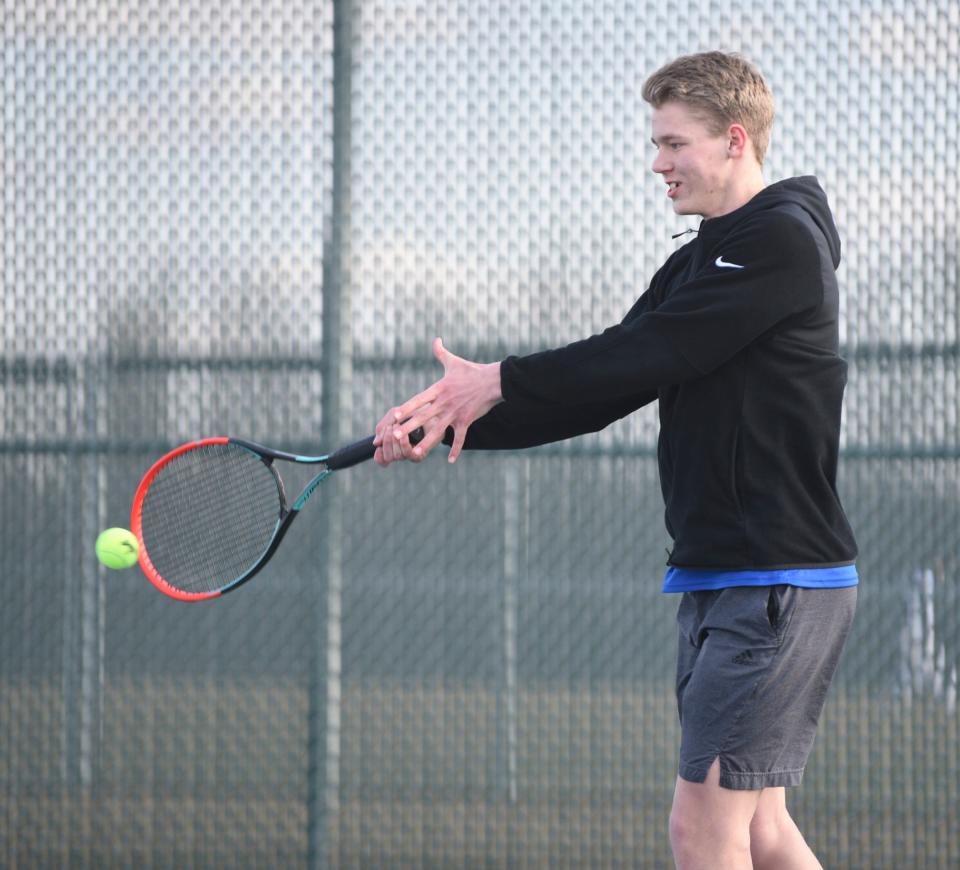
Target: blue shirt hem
[705, 579]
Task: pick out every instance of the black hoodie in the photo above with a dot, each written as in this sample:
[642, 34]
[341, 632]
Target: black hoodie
[737, 337]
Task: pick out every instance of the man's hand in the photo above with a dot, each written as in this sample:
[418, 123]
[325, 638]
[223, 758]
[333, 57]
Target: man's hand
[466, 392]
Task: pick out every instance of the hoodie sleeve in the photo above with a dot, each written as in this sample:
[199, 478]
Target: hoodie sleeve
[513, 427]
[765, 271]
[517, 425]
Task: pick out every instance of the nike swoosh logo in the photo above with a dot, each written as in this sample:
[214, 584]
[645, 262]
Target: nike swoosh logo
[720, 263]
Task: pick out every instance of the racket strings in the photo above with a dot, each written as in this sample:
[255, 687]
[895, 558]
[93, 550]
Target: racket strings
[208, 516]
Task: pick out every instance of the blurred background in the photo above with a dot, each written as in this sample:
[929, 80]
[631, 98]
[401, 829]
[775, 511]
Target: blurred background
[251, 219]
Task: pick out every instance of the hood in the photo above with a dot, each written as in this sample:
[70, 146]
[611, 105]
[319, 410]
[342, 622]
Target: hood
[804, 191]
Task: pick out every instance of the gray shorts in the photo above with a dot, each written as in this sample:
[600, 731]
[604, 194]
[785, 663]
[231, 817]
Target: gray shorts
[753, 668]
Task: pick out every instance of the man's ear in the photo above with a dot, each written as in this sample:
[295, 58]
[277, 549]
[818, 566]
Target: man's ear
[738, 140]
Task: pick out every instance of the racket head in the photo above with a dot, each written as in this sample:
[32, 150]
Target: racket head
[207, 516]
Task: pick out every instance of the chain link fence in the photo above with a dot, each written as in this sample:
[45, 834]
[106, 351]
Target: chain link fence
[251, 219]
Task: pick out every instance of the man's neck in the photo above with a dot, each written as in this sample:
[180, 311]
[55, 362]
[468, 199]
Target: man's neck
[740, 192]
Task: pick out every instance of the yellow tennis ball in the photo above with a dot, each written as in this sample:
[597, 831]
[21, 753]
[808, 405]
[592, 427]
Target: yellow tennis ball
[117, 548]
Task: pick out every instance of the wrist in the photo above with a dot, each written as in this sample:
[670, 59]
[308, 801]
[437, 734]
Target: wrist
[495, 392]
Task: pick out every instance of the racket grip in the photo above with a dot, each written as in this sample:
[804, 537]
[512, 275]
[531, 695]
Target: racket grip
[361, 451]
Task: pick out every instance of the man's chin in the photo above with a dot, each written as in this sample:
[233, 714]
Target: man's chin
[687, 210]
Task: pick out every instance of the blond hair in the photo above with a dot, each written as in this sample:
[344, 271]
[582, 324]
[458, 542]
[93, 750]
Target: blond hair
[724, 88]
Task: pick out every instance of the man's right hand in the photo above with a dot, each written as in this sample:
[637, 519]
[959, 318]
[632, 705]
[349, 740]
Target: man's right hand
[466, 392]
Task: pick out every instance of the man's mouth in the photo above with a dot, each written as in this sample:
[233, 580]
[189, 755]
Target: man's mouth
[672, 186]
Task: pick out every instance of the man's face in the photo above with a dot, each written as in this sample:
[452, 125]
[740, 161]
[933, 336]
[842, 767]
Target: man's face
[694, 161]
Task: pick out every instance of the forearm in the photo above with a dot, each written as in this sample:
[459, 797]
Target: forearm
[510, 427]
[623, 362]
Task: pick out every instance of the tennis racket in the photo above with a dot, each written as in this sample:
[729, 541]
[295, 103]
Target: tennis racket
[210, 514]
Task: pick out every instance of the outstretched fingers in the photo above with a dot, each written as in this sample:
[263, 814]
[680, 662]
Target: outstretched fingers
[466, 392]
[459, 437]
[405, 412]
[433, 435]
[388, 449]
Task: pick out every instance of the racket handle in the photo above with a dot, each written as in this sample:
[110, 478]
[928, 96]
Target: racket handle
[361, 451]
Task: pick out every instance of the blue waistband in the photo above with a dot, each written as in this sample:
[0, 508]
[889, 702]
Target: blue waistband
[699, 579]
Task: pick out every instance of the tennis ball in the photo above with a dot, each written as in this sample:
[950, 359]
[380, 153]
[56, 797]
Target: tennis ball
[117, 548]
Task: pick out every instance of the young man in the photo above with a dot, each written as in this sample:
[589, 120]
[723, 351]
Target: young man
[737, 339]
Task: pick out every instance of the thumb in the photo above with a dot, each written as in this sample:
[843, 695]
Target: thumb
[439, 351]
